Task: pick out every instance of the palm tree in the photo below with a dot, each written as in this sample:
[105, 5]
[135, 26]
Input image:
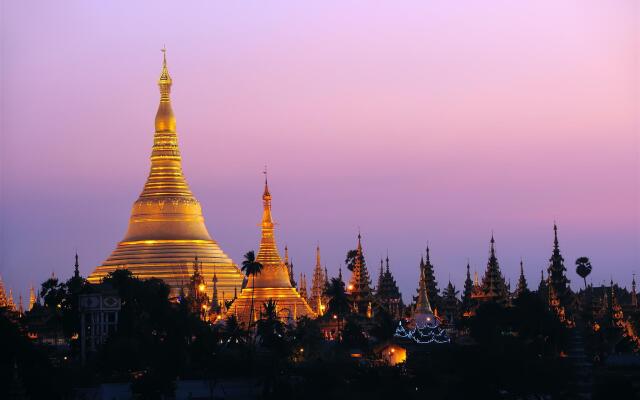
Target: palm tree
[233, 332]
[270, 328]
[583, 268]
[251, 268]
[269, 310]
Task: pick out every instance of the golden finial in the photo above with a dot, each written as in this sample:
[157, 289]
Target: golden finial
[266, 183]
[165, 120]
[164, 74]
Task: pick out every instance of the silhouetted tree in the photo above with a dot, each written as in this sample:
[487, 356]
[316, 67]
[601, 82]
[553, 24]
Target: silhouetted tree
[251, 268]
[308, 337]
[350, 260]
[383, 324]
[583, 268]
[338, 302]
[270, 329]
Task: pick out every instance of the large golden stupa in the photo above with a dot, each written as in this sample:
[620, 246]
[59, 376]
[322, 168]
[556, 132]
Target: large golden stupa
[273, 282]
[166, 228]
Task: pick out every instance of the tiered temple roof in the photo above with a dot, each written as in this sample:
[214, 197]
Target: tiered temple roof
[522, 281]
[494, 287]
[450, 303]
[557, 278]
[166, 227]
[359, 288]
[387, 293]
[317, 299]
[467, 302]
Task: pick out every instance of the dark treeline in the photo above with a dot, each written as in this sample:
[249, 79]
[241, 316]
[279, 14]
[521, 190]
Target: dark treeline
[514, 350]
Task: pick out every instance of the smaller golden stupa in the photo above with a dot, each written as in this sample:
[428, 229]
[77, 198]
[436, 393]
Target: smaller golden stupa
[273, 282]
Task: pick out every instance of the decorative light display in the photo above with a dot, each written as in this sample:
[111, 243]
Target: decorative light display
[427, 333]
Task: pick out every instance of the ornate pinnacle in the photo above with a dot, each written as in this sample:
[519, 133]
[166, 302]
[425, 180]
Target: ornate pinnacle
[76, 271]
[318, 256]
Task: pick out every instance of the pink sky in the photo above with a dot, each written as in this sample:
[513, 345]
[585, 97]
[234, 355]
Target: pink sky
[415, 121]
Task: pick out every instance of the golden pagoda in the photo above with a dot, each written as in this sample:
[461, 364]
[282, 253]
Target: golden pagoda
[274, 281]
[166, 228]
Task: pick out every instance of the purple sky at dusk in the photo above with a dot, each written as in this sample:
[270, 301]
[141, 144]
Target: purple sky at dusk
[415, 121]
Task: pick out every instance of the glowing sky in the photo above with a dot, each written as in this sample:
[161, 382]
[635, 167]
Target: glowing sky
[415, 121]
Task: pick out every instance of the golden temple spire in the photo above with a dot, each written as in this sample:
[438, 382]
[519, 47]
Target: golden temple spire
[286, 255]
[275, 273]
[318, 256]
[166, 178]
[32, 297]
[267, 220]
[275, 280]
[317, 285]
[11, 305]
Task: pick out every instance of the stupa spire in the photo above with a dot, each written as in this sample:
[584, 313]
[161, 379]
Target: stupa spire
[317, 286]
[557, 272]
[468, 289]
[32, 297]
[493, 242]
[215, 302]
[422, 303]
[3, 295]
[303, 286]
[76, 269]
[268, 254]
[522, 281]
[380, 275]
[286, 255]
[360, 285]
[11, 305]
[634, 295]
[166, 177]
[165, 120]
